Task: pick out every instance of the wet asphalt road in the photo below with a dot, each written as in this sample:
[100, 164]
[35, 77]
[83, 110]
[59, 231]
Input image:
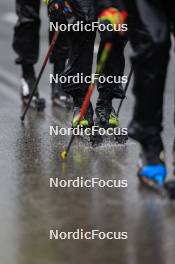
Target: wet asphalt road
[28, 158]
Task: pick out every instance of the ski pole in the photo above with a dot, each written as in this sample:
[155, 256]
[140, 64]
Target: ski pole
[55, 36]
[125, 90]
[100, 66]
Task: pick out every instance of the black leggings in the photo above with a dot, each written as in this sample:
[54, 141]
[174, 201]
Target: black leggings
[26, 36]
[150, 25]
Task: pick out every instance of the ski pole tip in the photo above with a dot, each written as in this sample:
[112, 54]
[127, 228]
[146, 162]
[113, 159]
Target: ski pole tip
[64, 155]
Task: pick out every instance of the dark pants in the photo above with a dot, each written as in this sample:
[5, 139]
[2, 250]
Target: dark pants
[81, 47]
[150, 24]
[114, 66]
[26, 36]
[80, 61]
[116, 62]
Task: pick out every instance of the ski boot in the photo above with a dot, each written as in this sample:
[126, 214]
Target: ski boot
[152, 169]
[107, 117]
[60, 98]
[118, 92]
[86, 122]
[27, 84]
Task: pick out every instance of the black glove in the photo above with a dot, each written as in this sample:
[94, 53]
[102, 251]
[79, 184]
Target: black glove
[55, 9]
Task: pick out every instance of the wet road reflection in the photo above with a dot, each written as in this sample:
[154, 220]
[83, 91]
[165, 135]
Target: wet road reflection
[41, 208]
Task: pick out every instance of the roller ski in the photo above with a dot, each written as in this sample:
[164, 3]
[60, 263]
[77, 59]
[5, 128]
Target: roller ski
[27, 84]
[86, 122]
